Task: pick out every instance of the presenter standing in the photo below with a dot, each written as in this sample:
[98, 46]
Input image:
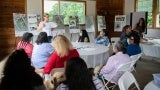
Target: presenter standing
[47, 26]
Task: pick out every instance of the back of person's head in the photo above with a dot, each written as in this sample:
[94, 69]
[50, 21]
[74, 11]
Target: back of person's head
[62, 45]
[134, 36]
[77, 74]
[125, 28]
[18, 73]
[120, 47]
[42, 38]
[27, 37]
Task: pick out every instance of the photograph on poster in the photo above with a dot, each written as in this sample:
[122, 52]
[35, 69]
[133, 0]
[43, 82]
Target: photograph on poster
[59, 19]
[120, 22]
[73, 22]
[32, 22]
[101, 22]
[90, 23]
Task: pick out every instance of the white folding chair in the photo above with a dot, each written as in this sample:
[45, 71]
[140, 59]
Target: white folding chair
[126, 80]
[123, 68]
[135, 58]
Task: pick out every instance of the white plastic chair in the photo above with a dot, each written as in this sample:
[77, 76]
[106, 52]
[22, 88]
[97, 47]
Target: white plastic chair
[126, 80]
[135, 58]
[123, 67]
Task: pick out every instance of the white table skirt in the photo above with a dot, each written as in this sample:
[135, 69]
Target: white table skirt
[93, 54]
[151, 86]
[151, 48]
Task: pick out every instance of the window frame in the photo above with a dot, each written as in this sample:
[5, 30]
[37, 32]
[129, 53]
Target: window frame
[154, 12]
[85, 5]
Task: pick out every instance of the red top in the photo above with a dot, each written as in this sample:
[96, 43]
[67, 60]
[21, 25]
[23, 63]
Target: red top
[28, 47]
[55, 61]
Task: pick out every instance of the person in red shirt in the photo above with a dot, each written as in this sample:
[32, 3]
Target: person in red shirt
[63, 52]
[25, 43]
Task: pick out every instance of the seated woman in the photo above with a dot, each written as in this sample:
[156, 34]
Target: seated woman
[114, 61]
[102, 38]
[78, 77]
[25, 43]
[41, 51]
[125, 32]
[83, 36]
[63, 52]
[133, 41]
[19, 74]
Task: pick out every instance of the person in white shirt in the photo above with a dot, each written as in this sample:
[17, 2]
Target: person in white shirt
[47, 26]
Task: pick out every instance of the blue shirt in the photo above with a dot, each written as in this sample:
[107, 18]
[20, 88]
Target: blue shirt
[133, 49]
[102, 40]
[40, 54]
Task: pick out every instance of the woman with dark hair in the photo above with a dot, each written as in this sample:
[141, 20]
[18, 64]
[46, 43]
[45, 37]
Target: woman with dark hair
[114, 62]
[25, 43]
[19, 74]
[133, 41]
[78, 77]
[41, 51]
[83, 36]
[140, 26]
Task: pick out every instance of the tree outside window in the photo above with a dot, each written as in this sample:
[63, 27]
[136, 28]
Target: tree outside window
[65, 8]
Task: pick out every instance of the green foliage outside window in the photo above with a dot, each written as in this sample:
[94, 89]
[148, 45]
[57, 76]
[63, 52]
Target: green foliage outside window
[69, 9]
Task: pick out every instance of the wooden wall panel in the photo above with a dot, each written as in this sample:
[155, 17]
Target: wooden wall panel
[7, 35]
[110, 8]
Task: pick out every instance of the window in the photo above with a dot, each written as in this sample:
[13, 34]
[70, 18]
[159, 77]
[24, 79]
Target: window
[65, 8]
[153, 9]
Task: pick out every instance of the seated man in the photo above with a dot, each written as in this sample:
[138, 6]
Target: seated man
[102, 38]
[133, 41]
[120, 57]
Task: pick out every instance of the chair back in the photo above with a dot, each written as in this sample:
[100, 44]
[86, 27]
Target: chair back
[126, 80]
[125, 67]
[136, 57]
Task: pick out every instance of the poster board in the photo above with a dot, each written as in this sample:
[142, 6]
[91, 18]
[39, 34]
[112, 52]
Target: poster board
[73, 22]
[32, 22]
[90, 23]
[20, 24]
[120, 22]
[134, 18]
[101, 22]
[59, 19]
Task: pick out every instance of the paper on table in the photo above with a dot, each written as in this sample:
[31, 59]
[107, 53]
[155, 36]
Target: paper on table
[89, 49]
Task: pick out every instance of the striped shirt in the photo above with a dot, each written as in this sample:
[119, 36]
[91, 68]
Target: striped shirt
[98, 84]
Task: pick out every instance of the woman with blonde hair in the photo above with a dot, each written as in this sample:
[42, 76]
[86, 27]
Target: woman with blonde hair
[63, 52]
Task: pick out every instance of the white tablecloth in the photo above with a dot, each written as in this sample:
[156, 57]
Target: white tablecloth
[151, 86]
[151, 48]
[93, 54]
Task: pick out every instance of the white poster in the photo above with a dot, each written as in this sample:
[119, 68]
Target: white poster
[20, 24]
[101, 22]
[32, 22]
[120, 22]
[90, 24]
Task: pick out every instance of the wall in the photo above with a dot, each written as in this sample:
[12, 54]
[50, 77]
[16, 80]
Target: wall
[7, 36]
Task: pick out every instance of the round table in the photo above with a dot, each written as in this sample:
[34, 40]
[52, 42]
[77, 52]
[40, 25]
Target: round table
[151, 86]
[151, 48]
[93, 54]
